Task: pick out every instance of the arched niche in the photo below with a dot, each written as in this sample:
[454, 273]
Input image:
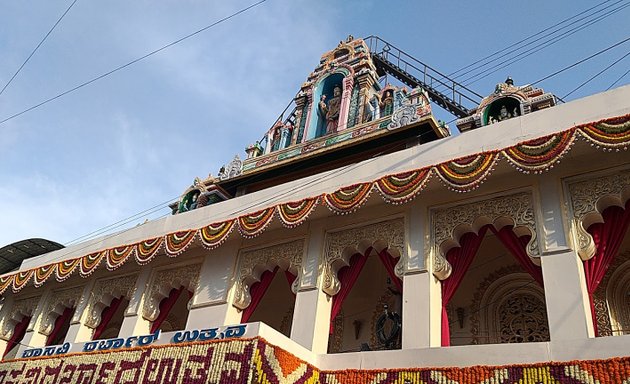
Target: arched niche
[589, 198]
[502, 109]
[104, 292]
[325, 86]
[342, 245]
[56, 305]
[163, 282]
[20, 309]
[253, 263]
[451, 223]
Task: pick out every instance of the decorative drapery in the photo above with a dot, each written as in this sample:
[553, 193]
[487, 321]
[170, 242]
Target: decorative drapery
[166, 305]
[18, 334]
[390, 265]
[59, 323]
[106, 317]
[518, 248]
[608, 237]
[460, 259]
[257, 292]
[347, 277]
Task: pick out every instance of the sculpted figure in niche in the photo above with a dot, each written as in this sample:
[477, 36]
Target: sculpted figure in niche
[330, 110]
[504, 115]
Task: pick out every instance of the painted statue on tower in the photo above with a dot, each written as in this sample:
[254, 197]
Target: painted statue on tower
[330, 110]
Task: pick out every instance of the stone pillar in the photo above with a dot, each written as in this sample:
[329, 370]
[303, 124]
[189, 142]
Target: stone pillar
[78, 331]
[348, 83]
[309, 109]
[134, 323]
[421, 313]
[311, 317]
[300, 113]
[211, 305]
[33, 338]
[568, 307]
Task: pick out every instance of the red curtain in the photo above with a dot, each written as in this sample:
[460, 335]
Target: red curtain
[517, 247]
[257, 291]
[165, 307]
[18, 334]
[59, 323]
[390, 265]
[608, 237]
[460, 259]
[106, 317]
[347, 277]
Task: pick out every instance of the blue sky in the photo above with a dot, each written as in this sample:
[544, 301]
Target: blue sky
[138, 137]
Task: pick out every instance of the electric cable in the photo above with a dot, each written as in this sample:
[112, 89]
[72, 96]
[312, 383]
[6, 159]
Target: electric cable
[581, 61]
[506, 63]
[597, 75]
[545, 41]
[525, 39]
[37, 47]
[110, 72]
[618, 80]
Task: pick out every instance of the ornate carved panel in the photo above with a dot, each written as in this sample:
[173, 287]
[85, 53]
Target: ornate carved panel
[162, 283]
[589, 198]
[253, 263]
[104, 292]
[508, 307]
[611, 299]
[448, 224]
[57, 302]
[19, 309]
[341, 245]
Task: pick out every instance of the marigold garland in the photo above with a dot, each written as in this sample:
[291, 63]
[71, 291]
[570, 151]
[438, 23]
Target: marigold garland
[295, 213]
[403, 187]
[253, 224]
[90, 262]
[21, 279]
[177, 242]
[460, 175]
[467, 173]
[65, 268]
[609, 134]
[147, 249]
[256, 361]
[348, 199]
[540, 154]
[116, 257]
[42, 274]
[214, 235]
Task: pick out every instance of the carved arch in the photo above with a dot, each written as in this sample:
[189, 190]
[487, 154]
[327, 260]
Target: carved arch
[57, 302]
[19, 309]
[163, 281]
[104, 291]
[450, 224]
[618, 299]
[342, 245]
[253, 263]
[589, 198]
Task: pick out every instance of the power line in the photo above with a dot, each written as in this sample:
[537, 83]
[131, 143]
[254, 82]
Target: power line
[618, 80]
[131, 62]
[528, 38]
[597, 74]
[37, 47]
[503, 64]
[581, 61]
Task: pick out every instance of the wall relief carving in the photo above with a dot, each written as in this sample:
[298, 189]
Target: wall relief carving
[252, 264]
[56, 303]
[341, 245]
[589, 198]
[19, 309]
[104, 292]
[163, 282]
[449, 224]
